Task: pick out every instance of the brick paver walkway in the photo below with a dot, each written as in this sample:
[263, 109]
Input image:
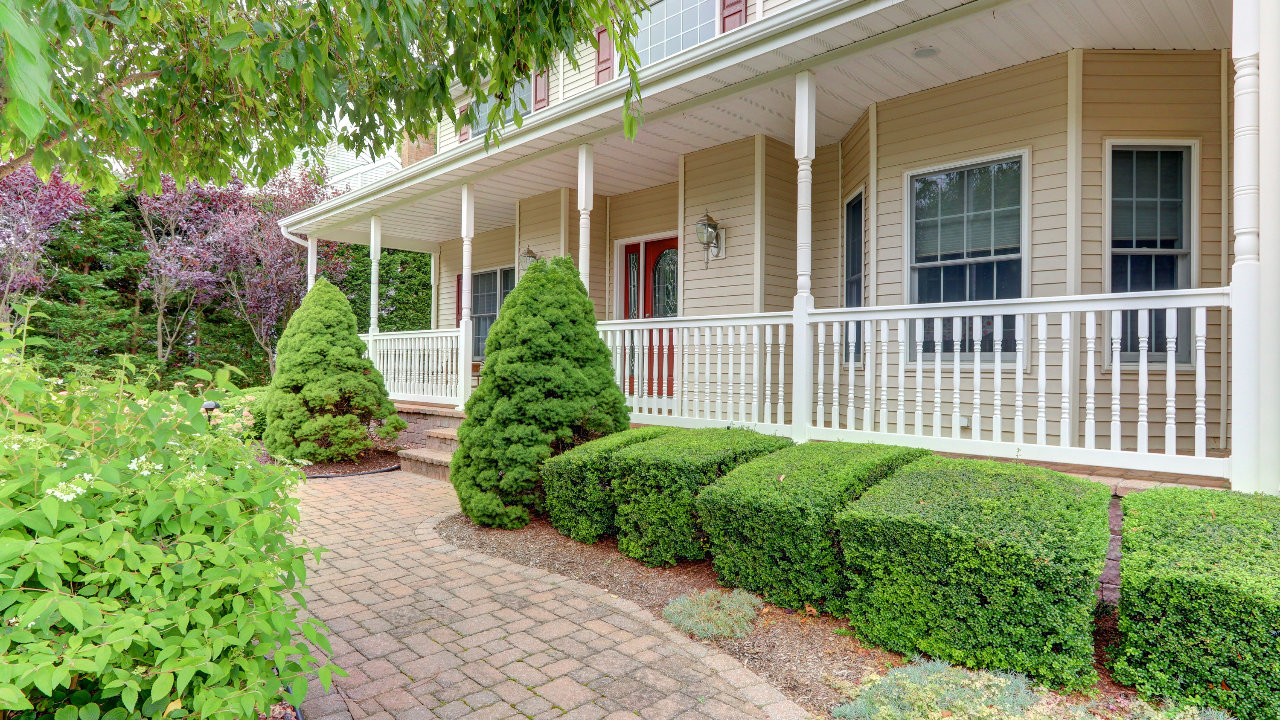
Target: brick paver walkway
[428, 630]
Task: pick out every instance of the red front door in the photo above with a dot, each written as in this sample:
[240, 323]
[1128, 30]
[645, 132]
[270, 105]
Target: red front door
[651, 287]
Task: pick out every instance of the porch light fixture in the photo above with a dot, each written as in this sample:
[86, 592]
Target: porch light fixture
[527, 258]
[710, 236]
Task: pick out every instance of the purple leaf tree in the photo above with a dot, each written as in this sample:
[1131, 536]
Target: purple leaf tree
[30, 210]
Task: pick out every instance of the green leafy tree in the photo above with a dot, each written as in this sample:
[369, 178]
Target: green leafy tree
[325, 396]
[404, 287]
[546, 386]
[216, 89]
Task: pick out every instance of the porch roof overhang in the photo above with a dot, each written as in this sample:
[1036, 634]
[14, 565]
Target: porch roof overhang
[740, 85]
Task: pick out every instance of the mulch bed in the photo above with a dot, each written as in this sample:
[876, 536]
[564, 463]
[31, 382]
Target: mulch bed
[807, 656]
[369, 460]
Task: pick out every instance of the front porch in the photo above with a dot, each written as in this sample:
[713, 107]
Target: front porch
[1064, 318]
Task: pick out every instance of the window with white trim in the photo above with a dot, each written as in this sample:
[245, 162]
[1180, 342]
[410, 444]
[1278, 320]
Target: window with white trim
[521, 99]
[853, 221]
[966, 233]
[668, 26]
[1150, 236]
[488, 291]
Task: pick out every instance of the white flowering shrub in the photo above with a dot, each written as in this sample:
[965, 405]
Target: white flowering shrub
[146, 568]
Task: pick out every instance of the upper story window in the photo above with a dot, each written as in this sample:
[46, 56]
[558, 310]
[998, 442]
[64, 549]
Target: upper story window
[966, 232]
[522, 99]
[669, 26]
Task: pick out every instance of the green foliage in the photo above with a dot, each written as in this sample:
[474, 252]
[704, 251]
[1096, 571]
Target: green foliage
[146, 562]
[404, 287]
[771, 522]
[546, 386]
[238, 88]
[657, 482]
[984, 564]
[1200, 599]
[934, 689]
[714, 613]
[325, 396]
[579, 484]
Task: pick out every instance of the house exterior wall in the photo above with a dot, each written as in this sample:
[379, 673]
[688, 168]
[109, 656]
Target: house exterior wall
[489, 251]
[720, 180]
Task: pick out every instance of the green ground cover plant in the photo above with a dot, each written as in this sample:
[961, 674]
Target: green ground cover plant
[1200, 599]
[546, 386]
[714, 613]
[984, 564]
[579, 484]
[771, 523]
[658, 481]
[146, 562]
[326, 400]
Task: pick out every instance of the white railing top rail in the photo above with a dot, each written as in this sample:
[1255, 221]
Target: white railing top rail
[412, 334]
[697, 321]
[1104, 302]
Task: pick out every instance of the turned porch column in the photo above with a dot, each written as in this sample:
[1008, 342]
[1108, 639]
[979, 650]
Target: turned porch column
[375, 259]
[1267, 242]
[312, 248]
[586, 193]
[465, 340]
[802, 349]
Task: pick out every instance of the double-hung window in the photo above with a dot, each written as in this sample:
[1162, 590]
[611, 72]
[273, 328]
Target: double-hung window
[521, 100]
[488, 291]
[853, 271]
[668, 26]
[966, 231]
[1150, 237]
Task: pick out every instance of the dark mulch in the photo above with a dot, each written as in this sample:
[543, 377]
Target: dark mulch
[799, 653]
[374, 459]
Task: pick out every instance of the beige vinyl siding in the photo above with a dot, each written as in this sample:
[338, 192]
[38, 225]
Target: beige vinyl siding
[489, 251]
[1156, 95]
[541, 223]
[720, 180]
[582, 78]
[779, 225]
[772, 7]
[855, 174]
[642, 213]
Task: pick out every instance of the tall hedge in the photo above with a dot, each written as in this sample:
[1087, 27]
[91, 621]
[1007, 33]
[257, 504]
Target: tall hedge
[325, 396]
[1200, 599]
[771, 522]
[986, 564]
[546, 385]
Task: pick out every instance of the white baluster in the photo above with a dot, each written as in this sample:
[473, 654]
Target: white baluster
[1117, 327]
[1090, 380]
[1202, 436]
[1019, 373]
[835, 373]
[1065, 428]
[755, 373]
[1171, 383]
[850, 403]
[728, 413]
[883, 422]
[782, 374]
[1144, 340]
[975, 429]
[1042, 342]
[719, 396]
[902, 377]
[937, 377]
[868, 373]
[768, 372]
[997, 401]
[919, 419]
[742, 373]
[956, 324]
[820, 410]
[706, 378]
[682, 381]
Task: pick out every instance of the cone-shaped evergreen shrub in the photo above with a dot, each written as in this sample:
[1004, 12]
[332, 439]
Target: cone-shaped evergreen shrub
[546, 386]
[325, 396]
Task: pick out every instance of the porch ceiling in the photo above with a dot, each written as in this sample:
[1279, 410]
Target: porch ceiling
[860, 51]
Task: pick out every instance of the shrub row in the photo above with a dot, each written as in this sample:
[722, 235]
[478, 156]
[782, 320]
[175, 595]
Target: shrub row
[1200, 599]
[770, 522]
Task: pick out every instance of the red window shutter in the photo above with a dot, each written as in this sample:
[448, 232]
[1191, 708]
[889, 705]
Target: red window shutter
[465, 133]
[457, 304]
[733, 13]
[604, 56]
[541, 90]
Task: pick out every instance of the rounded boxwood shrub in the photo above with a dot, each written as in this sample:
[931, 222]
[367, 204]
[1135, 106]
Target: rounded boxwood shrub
[1200, 599]
[771, 522]
[546, 386]
[985, 564]
[658, 480]
[579, 484]
[147, 566]
[325, 396]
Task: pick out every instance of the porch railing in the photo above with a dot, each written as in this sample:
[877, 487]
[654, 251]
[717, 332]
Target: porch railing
[418, 365]
[1076, 379]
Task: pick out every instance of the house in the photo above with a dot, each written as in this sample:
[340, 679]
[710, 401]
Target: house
[1011, 228]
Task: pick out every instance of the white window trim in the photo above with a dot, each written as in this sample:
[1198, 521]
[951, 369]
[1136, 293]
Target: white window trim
[908, 226]
[619, 267]
[1196, 184]
[474, 272]
[844, 242]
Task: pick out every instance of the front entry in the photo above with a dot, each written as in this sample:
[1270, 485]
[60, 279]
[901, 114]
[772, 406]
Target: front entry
[651, 290]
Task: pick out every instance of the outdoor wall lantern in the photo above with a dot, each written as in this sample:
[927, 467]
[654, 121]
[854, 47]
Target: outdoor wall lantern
[710, 236]
[527, 258]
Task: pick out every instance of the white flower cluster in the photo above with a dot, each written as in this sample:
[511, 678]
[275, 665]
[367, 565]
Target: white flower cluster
[193, 479]
[144, 467]
[18, 441]
[68, 491]
[13, 622]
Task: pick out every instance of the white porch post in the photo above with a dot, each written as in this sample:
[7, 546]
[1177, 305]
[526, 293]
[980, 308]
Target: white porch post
[1268, 28]
[312, 248]
[465, 352]
[1246, 313]
[375, 259]
[586, 193]
[802, 349]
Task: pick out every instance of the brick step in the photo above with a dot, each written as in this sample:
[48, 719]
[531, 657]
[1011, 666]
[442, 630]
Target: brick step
[428, 463]
[444, 439]
[423, 418]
